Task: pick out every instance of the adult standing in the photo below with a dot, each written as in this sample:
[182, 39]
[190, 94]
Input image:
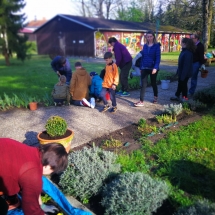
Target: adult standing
[151, 55]
[21, 169]
[124, 62]
[184, 71]
[61, 66]
[198, 62]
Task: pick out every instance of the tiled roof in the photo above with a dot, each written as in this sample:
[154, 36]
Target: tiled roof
[36, 23]
[115, 25]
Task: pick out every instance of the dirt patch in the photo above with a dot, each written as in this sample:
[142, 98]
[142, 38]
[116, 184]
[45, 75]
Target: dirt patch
[130, 135]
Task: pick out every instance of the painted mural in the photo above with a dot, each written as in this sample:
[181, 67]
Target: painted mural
[135, 41]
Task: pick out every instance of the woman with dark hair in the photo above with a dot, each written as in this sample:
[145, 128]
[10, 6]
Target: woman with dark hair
[185, 67]
[21, 169]
[151, 55]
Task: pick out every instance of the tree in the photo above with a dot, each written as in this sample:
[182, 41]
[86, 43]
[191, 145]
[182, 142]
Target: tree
[10, 24]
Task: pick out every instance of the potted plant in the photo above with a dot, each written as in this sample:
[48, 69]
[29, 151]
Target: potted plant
[56, 132]
[32, 103]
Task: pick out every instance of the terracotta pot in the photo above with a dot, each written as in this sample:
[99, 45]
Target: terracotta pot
[204, 73]
[33, 105]
[66, 142]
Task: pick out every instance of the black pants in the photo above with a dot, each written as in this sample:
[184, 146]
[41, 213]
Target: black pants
[144, 79]
[3, 206]
[182, 88]
[123, 77]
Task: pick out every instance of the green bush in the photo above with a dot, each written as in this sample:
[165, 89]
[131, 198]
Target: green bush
[206, 95]
[199, 208]
[56, 126]
[133, 194]
[87, 171]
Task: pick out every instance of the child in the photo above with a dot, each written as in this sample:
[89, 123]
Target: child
[79, 87]
[111, 80]
[96, 86]
[60, 93]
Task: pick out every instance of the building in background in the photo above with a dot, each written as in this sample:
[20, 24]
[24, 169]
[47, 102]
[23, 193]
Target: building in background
[86, 36]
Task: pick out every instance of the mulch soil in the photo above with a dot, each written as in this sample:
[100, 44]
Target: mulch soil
[129, 136]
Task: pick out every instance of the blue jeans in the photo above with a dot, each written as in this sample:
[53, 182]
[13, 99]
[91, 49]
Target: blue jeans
[194, 77]
[112, 96]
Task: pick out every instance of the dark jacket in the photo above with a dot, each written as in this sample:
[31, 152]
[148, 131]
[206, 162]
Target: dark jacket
[185, 64]
[198, 55]
[79, 86]
[96, 85]
[63, 70]
[122, 55]
[151, 56]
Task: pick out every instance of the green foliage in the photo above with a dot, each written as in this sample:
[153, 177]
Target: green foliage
[206, 95]
[56, 126]
[133, 162]
[45, 198]
[173, 109]
[112, 143]
[185, 159]
[87, 171]
[11, 21]
[133, 194]
[142, 123]
[203, 207]
[197, 105]
[32, 47]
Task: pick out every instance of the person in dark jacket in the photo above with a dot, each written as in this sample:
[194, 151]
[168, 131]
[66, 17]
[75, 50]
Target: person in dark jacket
[151, 55]
[198, 62]
[61, 66]
[185, 68]
[96, 86]
[124, 62]
[25, 172]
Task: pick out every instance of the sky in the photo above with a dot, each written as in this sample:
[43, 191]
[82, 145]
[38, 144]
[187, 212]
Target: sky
[48, 8]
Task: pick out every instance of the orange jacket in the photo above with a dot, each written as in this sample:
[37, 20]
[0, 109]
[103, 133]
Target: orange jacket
[111, 76]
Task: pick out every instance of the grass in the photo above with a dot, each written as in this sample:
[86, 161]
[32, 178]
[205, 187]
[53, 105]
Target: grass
[184, 159]
[35, 76]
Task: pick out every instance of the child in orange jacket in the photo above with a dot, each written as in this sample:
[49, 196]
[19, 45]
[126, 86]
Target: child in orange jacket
[111, 80]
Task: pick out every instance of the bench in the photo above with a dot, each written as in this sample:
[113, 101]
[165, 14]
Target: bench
[209, 61]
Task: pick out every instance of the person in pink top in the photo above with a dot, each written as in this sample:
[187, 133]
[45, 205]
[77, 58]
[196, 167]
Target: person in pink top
[21, 170]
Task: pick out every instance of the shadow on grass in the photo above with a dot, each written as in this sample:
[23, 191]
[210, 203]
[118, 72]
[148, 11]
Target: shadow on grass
[193, 178]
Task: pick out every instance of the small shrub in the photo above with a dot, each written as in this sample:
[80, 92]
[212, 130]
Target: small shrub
[206, 95]
[173, 109]
[142, 123]
[45, 198]
[112, 143]
[197, 105]
[56, 126]
[199, 208]
[87, 171]
[159, 118]
[133, 194]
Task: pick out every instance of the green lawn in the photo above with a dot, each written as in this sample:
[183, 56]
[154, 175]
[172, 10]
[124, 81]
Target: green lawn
[184, 159]
[35, 76]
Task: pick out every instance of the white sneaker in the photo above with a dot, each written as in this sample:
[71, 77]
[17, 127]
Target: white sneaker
[85, 103]
[92, 103]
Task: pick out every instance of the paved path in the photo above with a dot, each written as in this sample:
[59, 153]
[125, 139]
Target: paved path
[24, 125]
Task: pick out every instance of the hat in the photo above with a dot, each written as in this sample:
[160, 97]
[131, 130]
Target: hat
[93, 74]
[77, 64]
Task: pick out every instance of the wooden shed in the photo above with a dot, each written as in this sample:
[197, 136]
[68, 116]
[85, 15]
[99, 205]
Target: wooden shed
[85, 36]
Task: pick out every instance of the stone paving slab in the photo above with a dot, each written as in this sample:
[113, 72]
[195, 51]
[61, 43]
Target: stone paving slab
[24, 125]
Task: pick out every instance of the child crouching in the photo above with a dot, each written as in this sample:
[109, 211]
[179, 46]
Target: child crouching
[111, 80]
[60, 93]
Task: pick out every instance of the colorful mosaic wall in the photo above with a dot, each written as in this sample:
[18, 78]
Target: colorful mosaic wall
[135, 41]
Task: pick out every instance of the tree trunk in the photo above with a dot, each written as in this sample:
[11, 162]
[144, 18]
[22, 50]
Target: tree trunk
[6, 56]
[210, 20]
[205, 11]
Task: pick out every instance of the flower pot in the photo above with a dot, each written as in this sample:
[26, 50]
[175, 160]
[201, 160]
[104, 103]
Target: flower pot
[165, 84]
[33, 105]
[204, 73]
[43, 138]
